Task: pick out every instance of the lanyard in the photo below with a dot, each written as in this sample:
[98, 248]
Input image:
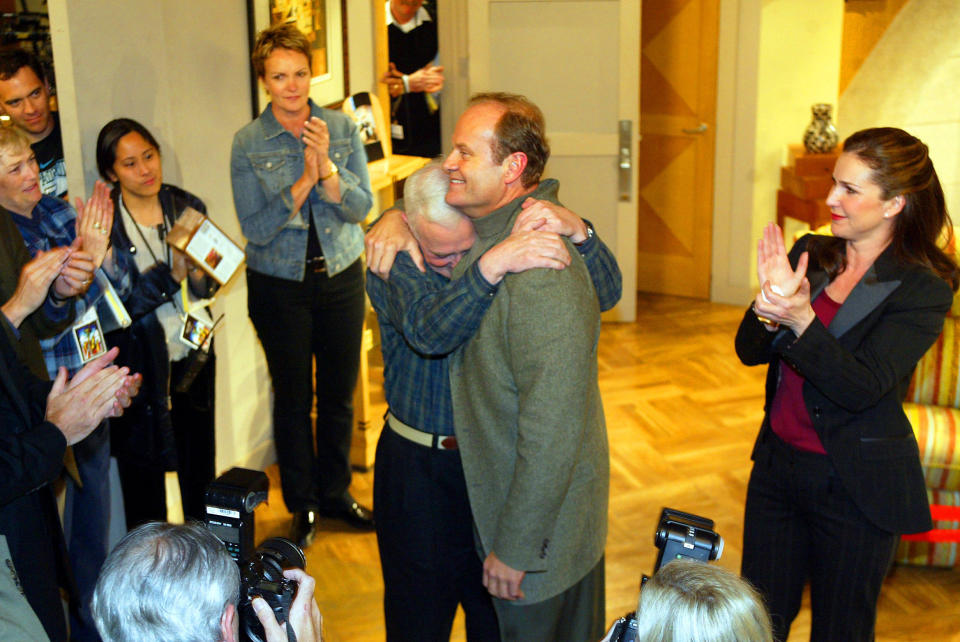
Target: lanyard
[185, 306]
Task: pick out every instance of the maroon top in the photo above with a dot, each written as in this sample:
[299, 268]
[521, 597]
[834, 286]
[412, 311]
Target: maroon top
[788, 417]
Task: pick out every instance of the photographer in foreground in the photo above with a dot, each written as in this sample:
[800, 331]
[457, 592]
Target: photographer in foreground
[689, 601]
[176, 582]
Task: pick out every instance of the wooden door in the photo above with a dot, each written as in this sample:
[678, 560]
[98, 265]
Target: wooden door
[678, 91]
[579, 61]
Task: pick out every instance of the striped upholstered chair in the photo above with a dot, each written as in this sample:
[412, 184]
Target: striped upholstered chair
[933, 407]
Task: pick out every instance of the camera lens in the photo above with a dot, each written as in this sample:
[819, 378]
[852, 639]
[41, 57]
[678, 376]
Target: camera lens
[278, 553]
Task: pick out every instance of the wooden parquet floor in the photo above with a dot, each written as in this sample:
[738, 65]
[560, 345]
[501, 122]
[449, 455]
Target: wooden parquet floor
[681, 414]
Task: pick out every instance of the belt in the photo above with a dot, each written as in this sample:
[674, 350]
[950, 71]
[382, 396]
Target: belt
[317, 265]
[428, 439]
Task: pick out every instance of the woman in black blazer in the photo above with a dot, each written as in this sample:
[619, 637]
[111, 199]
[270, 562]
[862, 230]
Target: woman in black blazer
[842, 321]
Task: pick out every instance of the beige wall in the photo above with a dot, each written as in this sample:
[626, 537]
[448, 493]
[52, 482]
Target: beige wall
[777, 57]
[182, 68]
[800, 43]
[910, 80]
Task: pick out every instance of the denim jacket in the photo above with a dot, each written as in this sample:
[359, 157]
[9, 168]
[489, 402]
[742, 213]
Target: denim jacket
[265, 162]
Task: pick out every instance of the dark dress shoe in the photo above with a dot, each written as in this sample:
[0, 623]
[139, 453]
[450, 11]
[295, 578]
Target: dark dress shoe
[350, 511]
[304, 527]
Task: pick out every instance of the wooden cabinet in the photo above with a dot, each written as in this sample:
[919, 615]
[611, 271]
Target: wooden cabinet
[805, 184]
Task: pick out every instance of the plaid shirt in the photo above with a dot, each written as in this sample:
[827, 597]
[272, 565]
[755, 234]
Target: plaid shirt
[53, 225]
[425, 317]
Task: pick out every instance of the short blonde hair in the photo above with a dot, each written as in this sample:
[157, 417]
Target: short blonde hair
[13, 140]
[690, 601]
[282, 36]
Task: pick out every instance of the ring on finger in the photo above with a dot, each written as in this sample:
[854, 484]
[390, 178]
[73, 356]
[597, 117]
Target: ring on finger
[96, 225]
[104, 232]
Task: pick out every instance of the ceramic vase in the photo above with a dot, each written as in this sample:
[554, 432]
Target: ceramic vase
[820, 136]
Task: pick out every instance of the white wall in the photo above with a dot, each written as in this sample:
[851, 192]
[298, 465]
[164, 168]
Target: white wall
[910, 80]
[776, 59]
[800, 46]
[181, 67]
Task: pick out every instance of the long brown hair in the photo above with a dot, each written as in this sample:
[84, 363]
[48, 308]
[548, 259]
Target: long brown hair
[901, 167]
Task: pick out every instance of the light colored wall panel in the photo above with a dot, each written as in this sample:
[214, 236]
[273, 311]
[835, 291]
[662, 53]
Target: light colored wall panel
[182, 68]
[910, 81]
[799, 65]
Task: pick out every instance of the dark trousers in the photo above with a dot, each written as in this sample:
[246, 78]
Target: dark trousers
[801, 524]
[301, 324]
[193, 419]
[576, 615]
[427, 551]
[86, 525]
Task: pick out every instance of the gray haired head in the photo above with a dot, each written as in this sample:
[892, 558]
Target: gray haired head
[424, 197]
[165, 583]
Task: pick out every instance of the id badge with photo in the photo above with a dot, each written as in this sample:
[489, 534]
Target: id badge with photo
[88, 336]
[195, 332]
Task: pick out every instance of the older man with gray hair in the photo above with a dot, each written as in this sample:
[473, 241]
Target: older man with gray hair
[177, 583]
[424, 523]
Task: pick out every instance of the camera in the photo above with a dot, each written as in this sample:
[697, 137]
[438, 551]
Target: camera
[679, 535]
[230, 503]
[262, 576]
[683, 535]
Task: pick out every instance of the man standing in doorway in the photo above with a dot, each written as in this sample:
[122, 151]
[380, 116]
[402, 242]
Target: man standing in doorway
[525, 396]
[25, 99]
[414, 79]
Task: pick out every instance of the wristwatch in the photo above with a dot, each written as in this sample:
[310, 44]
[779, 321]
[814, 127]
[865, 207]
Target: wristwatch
[333, 171]
[590, 234]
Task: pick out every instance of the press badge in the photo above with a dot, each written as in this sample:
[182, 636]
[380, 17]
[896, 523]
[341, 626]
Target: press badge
[88, 336]
[195, 332]
[396, 131]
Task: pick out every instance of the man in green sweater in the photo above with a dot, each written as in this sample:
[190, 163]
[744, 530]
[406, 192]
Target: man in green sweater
[526, 402]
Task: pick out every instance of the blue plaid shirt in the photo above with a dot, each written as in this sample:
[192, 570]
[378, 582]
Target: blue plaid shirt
[53, 225]
[425, 317]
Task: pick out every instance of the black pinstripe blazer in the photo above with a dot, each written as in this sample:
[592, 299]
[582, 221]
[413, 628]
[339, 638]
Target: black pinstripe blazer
[856, 375]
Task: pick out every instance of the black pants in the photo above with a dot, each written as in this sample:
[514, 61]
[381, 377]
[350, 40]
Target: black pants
[800, 525]
[86, 522]
[427, 551]
[302, 324]
[192, 415]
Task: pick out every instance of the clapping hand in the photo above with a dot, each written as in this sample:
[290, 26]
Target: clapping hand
[773, 266]
[784, 296]
[94, 222]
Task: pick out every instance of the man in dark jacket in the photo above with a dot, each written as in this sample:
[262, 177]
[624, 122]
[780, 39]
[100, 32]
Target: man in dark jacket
[38, 420]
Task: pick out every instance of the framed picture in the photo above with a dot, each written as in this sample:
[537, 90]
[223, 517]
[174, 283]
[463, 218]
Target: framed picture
[324, 22]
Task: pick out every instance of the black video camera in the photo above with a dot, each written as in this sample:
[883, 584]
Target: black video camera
[679, 535]
[231, 500]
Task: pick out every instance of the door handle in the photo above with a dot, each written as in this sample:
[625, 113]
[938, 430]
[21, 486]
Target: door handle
[699, 129]
[625, 160]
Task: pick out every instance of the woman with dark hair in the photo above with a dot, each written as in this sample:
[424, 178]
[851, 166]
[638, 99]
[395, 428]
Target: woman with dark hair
[301, 189]
[842, 321]
[171, 425]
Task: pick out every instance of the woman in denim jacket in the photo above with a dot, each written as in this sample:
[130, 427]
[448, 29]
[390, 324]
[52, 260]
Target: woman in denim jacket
[301, 190]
